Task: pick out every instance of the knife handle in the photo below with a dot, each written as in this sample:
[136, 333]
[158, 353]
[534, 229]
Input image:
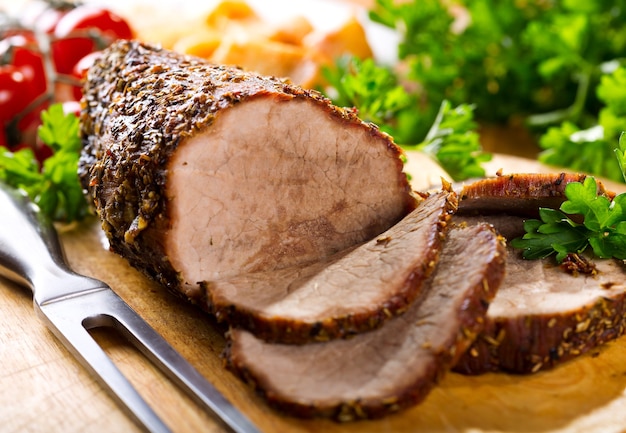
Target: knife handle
[30, 252]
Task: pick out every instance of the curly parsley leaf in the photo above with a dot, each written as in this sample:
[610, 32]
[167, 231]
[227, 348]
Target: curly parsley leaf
[603, 228]
[59, 130]
[526, 58]
[549, 63]
[584, 200]
[53, 186]
[554, 233]
[373, 89]
[454, 142]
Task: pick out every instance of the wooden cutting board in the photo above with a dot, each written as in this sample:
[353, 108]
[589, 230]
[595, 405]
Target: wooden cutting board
[43, 389]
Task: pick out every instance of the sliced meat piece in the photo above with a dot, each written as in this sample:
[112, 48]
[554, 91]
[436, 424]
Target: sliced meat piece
[351, 292]
[202, 172]
[518, 194]
[542, 315]
[393, 367]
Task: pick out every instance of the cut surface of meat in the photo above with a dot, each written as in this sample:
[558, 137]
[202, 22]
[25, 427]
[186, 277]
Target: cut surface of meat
[202, 172]
[388, 369]
[351, 292]
[274, 194]
[518, 193]
[543, 315]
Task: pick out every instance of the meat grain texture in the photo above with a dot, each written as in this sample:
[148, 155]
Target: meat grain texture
[203, 173]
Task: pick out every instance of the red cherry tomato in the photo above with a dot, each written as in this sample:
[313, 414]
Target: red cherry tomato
[22, 51]
[27, 86]
[14, 92]
[80, 70]
[93, 17]
[85, 29]
[66, 52]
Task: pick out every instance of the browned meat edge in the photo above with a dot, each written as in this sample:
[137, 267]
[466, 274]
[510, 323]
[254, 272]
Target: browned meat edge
[528, 343]
[531, 343]
[518, 193]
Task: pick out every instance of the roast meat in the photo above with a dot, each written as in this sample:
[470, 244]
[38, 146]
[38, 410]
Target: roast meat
[519, 193]
[204, 173]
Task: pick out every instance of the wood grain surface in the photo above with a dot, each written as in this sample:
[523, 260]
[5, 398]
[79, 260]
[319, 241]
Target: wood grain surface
[43, 389]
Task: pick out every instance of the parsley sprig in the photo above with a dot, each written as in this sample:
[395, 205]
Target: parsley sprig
[603, 227]
[590, 149]
[374, 89]
[553, 65]
[537, 59]
[453, 141]
[53, 185]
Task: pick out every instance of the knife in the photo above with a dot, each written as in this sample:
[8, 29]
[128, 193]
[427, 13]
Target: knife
[70, 304]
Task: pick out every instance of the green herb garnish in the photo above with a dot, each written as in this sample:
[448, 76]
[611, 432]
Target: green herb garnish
[454, 142]
[517, 58]
[373, 89]
[553, 65]
[590, 150]
[53, 185]
[603, 227]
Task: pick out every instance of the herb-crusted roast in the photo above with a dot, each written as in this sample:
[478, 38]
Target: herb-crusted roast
[201, 172]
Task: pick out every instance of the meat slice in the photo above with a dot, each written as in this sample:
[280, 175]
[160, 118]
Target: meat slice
[350, 292]
[543, 316]
[393, 367]
[201, 172]
[518, 193]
